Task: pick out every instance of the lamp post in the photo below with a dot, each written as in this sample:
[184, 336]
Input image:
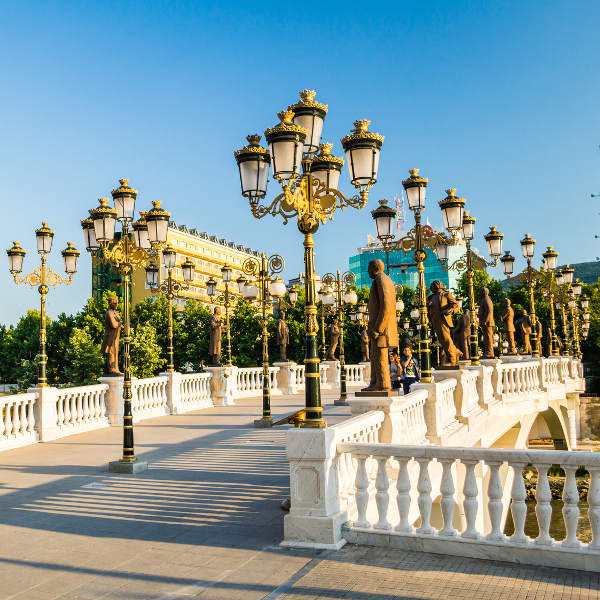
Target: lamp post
[170, 288]
[550, 261]
[327, 306]
[150, 234]
[575, 294]
[225, 300]
[43, 278]
[262, 270]
[344, 295]
[418, 239]
[312, 196]
[471, 262]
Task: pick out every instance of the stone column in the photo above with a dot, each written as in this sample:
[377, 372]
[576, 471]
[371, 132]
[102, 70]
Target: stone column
[367, 371]
[286, 377]
[223, 385]
[173, 391]
[114, 399]
[487, 382]
[333, 373]
[46, 415]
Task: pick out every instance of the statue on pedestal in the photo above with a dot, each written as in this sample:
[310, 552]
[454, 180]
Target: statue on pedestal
[462, 333]
[216, 330]
[364, 345]
[382, 328]
[486, 322]
[509, 326]
[283, 337]
[334, 339]
[110, 343]
[540, 331]
[441, 305]
[526, 328]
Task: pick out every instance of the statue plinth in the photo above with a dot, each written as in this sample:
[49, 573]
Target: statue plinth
[377, 393]
[457, 367]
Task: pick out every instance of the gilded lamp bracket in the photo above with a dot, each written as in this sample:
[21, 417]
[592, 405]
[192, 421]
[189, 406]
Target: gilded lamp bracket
[470, 262]
[37, 278]
[125, 255]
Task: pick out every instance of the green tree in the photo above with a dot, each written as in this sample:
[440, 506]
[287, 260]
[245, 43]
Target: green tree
[59, 340]
[192, 336]
[145, 353]
[246, 335]
[83, 362]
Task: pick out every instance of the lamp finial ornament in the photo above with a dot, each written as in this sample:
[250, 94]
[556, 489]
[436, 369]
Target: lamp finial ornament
[286, 116]
[253, 139]
[45, 224]
[451, 192]
[103, 201]
[156, 203]
[326, 148]
[308, 95]
[361, 125]
[124, 182]
[383, 202]
[414, 172]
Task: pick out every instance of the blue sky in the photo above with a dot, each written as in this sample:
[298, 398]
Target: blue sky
[497, 99]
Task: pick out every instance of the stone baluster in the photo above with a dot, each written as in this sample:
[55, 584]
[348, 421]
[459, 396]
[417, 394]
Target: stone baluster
[470, 502]
[403, 496]
[362, 492]
[543, 510]
[594, 506]
[30, 416]
[23, 416]
[518, 507]
[495, 502]
[448, 502]
[570, 509]
[424, 500]
[382, 497]
[60, 421]
[15, 418]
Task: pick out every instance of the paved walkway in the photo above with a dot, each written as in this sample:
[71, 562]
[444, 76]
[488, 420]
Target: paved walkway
[204, 522]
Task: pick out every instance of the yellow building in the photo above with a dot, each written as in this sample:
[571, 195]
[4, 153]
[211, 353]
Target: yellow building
[207, 252]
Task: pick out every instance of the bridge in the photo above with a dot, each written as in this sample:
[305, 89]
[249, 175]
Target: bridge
[439, 469]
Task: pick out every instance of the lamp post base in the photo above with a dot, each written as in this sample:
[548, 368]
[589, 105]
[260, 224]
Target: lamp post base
[119, 466]
[264, 423]
[340, 402]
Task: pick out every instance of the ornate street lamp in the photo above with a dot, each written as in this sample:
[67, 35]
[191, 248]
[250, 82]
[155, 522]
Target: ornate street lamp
[43, 277]
[417, 239]
[170, 288]
[125, 255]
[310, 194]
[226, 300]
[471, 262]
[550, 264]
[261, 271]
[344, 295]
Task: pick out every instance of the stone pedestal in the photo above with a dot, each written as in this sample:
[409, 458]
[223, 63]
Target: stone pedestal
[333, 372]
[46, 416]
[131, 468]
[223, 385]
[367, 401]
[466, 396]
[367, 371]
[173, 391]
[487, 382]
[114, 399]
[286, 377]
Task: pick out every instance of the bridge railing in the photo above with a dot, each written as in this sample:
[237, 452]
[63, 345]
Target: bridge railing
[17, 420]
[81, 408]
[466, 515]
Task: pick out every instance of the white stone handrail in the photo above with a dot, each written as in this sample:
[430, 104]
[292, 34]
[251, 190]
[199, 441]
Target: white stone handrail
[550, 371]
[81, 408]
[194, 390]
[393, 506]
[355, 374]
[149, 397]
[249, 381]
[518, 378]
[17, 420]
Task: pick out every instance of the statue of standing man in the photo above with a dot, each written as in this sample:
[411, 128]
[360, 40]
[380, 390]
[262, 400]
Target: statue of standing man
[508, 318]
[216, 330]
[382, 328]
[441, 305]
[486, 322]
[334, 339]
[112, 332]
[283, 337]
[364, 345]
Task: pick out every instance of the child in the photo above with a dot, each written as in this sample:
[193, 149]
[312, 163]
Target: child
[411, 371]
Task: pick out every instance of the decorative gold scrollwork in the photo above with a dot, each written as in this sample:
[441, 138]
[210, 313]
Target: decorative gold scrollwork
[34, 279]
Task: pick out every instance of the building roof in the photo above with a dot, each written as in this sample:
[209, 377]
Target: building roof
[213, 238]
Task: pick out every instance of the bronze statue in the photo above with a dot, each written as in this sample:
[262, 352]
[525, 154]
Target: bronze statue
[525, 327]
[382, 327]
[539, 330]
[462, 333]
[441, 305]
[283, 337]
[110, 343]
[334, 338]
[364, 345]
[216, 328]
[485, 315]
[508, 318]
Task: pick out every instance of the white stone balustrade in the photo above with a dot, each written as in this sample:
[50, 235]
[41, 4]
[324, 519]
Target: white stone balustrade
[249, 381]
[355, 374]
[194, 391]
[440, 409]
[149, 398]
[467, 518]
[81, 408]
[17, 420]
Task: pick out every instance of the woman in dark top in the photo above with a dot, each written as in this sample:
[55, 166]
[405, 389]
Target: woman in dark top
[411, 371]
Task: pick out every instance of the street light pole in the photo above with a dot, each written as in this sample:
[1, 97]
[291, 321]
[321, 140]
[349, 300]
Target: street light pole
[43, 277]
[225, 300]
[340, 286]
[311, 196]
[150, 234]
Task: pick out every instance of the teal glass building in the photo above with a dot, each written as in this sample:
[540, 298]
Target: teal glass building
[402, 268]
